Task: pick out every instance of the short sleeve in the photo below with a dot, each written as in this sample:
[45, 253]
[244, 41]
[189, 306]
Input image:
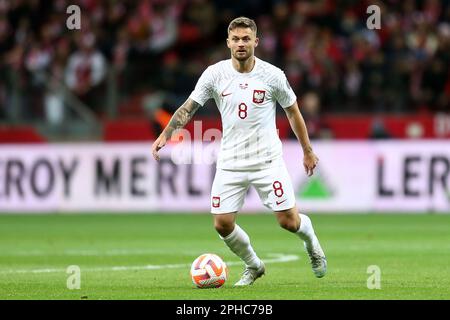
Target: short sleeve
[283, 91]
[204, 88]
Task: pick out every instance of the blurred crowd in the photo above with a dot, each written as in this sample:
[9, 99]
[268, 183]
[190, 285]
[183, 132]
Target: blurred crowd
[162, 46]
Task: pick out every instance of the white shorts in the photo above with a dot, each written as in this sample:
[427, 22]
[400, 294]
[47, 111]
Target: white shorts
[273, 185]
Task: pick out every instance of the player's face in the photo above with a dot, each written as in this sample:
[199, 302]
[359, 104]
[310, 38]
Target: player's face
[242, 43]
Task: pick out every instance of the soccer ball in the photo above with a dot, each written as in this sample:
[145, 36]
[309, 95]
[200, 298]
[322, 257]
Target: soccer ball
[209, 271]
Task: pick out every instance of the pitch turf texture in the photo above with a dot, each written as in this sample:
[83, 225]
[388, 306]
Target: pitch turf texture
[148, 257]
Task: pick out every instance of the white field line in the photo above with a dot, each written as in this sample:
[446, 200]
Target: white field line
[274, 258]
[88, 252]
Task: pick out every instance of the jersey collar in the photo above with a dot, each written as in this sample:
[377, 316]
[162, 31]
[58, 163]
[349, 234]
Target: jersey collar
[245, 73]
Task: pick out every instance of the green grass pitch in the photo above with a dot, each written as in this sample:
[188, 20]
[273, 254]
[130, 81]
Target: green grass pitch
[112, 251]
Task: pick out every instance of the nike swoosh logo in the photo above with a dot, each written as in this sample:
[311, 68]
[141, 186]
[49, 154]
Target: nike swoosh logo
[224, 95]
[280, 202]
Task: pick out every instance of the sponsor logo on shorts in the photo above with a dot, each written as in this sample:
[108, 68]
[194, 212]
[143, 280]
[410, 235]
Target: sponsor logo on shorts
[280, 202]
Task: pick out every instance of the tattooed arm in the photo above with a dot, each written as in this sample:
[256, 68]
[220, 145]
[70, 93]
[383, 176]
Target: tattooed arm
[179, 119]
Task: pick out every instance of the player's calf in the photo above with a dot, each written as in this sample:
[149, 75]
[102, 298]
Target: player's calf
[225, 223]
[289, 219]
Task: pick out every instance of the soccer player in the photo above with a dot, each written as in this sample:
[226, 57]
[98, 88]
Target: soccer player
[246, 90]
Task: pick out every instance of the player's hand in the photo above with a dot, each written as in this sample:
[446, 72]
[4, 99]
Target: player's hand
[310, 161]
[157, 145]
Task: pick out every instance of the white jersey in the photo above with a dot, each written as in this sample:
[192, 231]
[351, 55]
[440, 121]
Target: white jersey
[247, 104]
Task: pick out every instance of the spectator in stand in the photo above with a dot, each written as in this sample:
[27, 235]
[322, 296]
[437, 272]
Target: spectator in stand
[378, 129]
[437, 72]
[202, 15]
[86, 71]
[352, 85]
[322, 45]
[310, 109]
[5, 45]
[54, 107]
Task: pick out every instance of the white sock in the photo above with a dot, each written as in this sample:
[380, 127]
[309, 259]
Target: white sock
[306, 230]
[239, 242]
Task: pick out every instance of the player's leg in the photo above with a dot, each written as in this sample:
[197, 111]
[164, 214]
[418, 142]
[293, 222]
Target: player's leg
[275, 189]
[224, 223]
[227, 197]
[236, 239]
[301, 225]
